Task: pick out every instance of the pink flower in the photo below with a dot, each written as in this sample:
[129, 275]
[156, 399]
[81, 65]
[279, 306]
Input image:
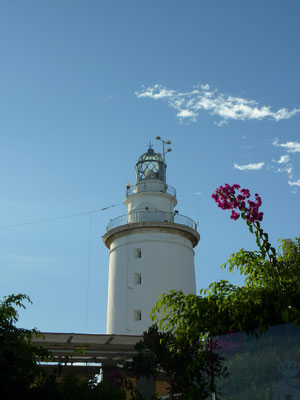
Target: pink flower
[234, 215]
[245, 192]
[227, 199]
[260, 216]
[242, 206]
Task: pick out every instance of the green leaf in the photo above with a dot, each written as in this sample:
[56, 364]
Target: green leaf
[285, 315]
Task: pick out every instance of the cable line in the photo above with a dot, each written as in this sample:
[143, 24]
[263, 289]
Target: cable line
[58, 218]
[88, 275]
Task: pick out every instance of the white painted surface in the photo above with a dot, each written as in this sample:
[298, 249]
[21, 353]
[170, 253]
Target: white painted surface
[150, 195]
[167, 262]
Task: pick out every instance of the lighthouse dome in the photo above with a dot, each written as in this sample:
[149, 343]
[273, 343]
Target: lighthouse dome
[150, 165]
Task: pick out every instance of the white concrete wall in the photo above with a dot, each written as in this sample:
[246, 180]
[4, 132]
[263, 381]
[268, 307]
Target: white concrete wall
[154, 201]
[150, 194]
[167, 262]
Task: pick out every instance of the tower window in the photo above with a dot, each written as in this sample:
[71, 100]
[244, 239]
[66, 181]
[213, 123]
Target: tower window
[137, 279]
[137, 315]
[137, 253]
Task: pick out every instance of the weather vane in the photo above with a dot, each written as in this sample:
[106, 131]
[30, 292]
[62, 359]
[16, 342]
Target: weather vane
[164, 142]
[164, 152]
[150, 145]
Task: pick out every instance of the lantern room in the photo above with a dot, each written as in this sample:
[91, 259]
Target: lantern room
[150, 165]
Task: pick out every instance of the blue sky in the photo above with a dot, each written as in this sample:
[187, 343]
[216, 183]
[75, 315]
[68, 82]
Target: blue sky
[84, 87]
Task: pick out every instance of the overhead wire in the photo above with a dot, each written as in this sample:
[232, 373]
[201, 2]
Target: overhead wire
[58, 218]
[88, 275]
[90, 214]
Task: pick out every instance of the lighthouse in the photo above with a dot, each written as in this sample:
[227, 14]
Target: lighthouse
[151, 248]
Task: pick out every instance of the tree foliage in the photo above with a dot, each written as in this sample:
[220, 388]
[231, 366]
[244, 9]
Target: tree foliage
[266, 298]
[73, 388]
[270, 294]
[20, 375]
[190, 369]
[18, 355]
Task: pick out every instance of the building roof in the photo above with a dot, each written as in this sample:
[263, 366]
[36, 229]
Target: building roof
[92, 348]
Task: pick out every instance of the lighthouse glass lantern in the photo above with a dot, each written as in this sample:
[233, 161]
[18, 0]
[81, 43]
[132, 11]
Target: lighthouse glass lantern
[150, 166]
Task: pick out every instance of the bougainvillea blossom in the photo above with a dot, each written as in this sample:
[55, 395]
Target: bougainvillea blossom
[237, 200]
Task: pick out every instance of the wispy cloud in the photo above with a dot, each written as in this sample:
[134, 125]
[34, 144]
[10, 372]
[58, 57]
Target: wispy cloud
[157, 92]
[249, 167]
[286, 167]
[283, 159]
[291, 147]
[285, 164]
[294, 183]
[188, 105]
[187, 114]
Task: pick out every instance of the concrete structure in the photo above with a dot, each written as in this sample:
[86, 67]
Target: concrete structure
[151, 249]
[87, 355]
[95, 348]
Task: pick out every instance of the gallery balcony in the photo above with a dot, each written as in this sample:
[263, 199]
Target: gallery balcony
[151, 216]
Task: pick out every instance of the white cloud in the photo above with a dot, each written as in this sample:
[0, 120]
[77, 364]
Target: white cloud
[249, 167]
[190, 104]
[284, 159]
[288, 169]
[286, 166]
[155, 94]
[294, 183]
[283, 164]
[291, 147]
[186, 114]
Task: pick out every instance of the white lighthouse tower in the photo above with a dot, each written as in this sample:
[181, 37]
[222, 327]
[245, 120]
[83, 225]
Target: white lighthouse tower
[150, 249]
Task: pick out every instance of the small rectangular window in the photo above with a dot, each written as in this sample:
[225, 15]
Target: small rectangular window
[137, 279]
[137, 253]
[137, 315]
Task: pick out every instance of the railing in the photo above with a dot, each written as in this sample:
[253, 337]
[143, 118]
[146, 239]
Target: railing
[151, 216]
[168, 189]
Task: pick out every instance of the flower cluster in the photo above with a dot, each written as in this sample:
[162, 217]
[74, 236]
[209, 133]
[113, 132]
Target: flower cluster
[234, 198]
[212, 345]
